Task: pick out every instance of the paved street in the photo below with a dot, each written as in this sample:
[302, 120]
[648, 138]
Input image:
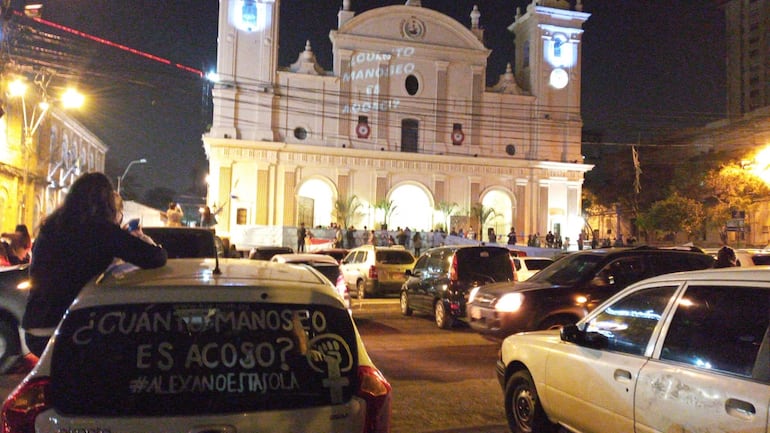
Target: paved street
[443, 381]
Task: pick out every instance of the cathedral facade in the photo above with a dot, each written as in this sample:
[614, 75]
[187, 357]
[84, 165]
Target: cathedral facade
[403, 126]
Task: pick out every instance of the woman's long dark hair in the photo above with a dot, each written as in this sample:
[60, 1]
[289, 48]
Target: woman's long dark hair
[90, 199]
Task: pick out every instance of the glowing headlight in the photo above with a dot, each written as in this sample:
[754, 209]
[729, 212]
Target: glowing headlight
[580, 299]
[472, 294]
[509, 302]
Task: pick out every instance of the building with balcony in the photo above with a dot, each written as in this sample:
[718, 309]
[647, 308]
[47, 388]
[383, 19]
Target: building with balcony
[35, 172]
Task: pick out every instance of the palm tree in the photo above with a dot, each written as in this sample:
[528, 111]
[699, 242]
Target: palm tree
[346, 210]
[447, 209]
[481, 214]
[387, 207]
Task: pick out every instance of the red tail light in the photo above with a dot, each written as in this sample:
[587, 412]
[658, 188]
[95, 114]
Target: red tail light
[372, 273]
[375, 390]
[24, 404]
[453, 270]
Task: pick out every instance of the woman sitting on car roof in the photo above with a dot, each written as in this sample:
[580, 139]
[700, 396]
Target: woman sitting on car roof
[77, 242]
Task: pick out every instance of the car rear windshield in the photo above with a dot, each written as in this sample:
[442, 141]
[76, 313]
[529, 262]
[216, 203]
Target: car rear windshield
[185, 359]
[569, 270]
[330, 271]
[488, 264]
[761, 259]
[180, 243]
[538, 264]
[394, 257]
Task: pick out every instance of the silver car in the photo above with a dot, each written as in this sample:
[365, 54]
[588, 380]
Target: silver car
[685, 352]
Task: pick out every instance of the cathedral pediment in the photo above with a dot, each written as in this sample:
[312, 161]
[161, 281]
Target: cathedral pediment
[410, 24]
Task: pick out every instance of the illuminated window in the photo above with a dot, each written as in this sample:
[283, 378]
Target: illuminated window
[249, 12]
[240, 216]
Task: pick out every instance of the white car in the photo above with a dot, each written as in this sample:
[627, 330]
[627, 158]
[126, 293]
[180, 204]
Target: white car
[529, 266]
[325, 264]
[201, 346]
[685, 352]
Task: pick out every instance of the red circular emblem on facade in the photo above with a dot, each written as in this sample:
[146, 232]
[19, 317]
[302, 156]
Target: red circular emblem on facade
[458, 137]
[363, 130]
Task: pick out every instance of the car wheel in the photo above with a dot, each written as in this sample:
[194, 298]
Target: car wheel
[522, 406]
[558, 322]
[360, 289]
[443, 319]
[405, 309]
[10, 345]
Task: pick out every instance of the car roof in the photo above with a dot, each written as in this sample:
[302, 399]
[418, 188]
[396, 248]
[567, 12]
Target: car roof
[642, 248]
[754, 273]
[195, 280]
[303, 258]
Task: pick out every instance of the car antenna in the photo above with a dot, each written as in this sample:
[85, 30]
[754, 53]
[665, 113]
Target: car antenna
[216, 270]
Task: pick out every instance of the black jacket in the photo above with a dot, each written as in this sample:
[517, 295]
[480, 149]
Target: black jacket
[64, 261]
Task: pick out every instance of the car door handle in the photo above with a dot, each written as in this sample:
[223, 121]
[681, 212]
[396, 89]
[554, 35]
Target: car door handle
[622, 375]
[740, 409]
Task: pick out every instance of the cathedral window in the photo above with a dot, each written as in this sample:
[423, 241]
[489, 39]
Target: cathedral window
[412, 85]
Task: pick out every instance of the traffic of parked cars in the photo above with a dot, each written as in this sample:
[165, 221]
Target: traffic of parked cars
[617, 339]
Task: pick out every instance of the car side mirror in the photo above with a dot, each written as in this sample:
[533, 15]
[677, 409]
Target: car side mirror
[573, 334]
[408, 272]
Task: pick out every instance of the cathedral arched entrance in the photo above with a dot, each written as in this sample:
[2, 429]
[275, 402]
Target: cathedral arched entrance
[502, 203]
[413, 207]
[315, 202]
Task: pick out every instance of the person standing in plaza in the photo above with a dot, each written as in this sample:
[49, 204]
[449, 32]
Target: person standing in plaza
[207, 218]
[512, 236]
[301, 235]
[417, 242]
[351, 237]
[173, 215]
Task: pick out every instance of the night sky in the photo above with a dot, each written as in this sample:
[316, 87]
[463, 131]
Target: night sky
[649, 67]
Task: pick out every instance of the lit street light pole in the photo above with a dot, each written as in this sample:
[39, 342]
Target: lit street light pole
[18, 88]
[136, 161]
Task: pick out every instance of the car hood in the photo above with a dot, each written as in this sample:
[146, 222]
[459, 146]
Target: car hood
[497, 289]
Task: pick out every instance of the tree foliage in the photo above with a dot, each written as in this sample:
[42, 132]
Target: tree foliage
[673, 215]
[447, 209]
[481, 214]
[347, 210]
[387, 208]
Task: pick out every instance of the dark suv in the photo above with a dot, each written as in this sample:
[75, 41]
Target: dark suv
[443, 277]
[568, 289]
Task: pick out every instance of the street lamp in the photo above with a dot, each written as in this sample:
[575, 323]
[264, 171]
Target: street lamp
[136, 161]
[17, 89]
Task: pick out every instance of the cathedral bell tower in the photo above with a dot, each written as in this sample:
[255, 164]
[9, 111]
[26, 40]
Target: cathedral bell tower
[547, 46]
[247, 61]
[547, 53]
